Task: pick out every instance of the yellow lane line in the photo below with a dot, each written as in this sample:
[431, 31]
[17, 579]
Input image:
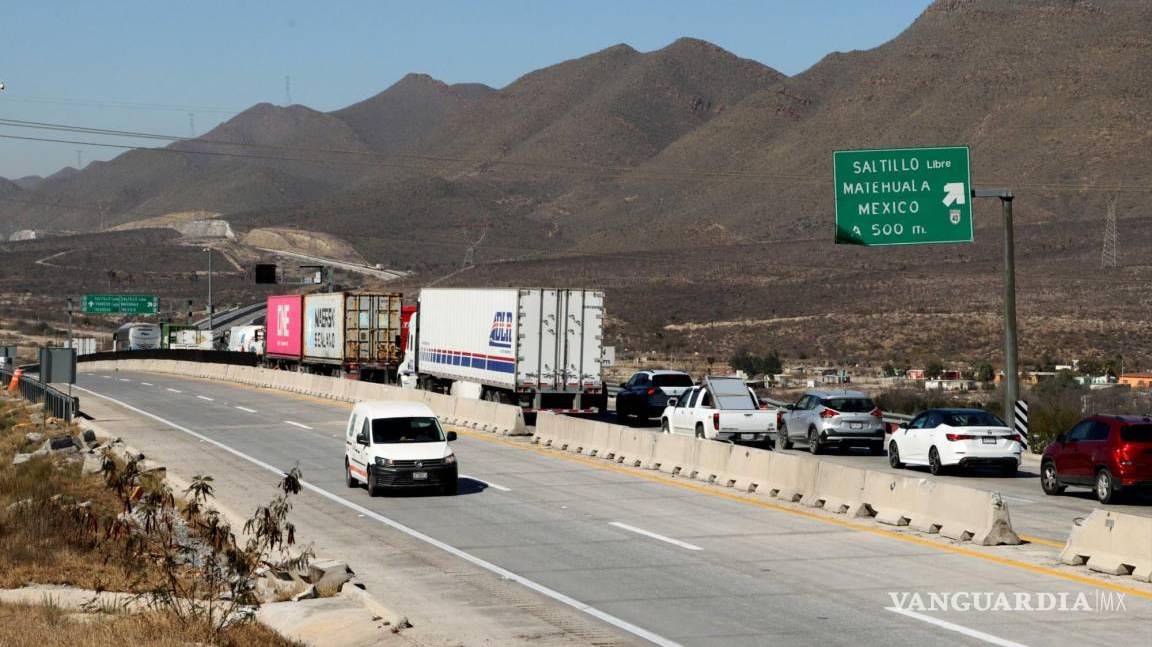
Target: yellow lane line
[822, 517]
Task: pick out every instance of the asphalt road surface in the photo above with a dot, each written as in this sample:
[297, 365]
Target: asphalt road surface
[639, 557]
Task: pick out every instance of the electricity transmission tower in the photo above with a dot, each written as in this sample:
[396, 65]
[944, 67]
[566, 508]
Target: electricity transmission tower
[1108, 255]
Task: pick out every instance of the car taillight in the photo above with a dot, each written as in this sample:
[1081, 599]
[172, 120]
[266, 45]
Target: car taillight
[1124, 454]
[955, 437]
[716, 421]
[828, 413]
[651, 391]
[877, 413]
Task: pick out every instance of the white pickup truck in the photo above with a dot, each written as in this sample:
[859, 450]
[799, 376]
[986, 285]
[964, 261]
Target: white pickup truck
[722, 408]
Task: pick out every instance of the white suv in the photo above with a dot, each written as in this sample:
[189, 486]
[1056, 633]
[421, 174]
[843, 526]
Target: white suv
[396, 445]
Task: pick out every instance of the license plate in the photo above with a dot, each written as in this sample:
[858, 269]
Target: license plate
[419, 476]
[856, 425]
[989, 440]
[747, 436]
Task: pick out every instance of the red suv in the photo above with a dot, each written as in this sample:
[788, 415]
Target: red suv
[1107, 453]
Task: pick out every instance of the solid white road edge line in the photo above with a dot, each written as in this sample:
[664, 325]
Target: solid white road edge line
[245, 409]
[204, 397]
[619, 623]
[488, 483]
[296, 424]
[652, 535]
[944, 624]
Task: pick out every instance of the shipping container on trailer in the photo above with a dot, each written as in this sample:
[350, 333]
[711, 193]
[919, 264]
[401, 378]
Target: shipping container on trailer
[540, 348]
[354, 334]
[284, 325]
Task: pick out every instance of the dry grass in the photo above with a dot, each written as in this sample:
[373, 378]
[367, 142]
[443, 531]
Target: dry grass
[43, 534]
[37, 625]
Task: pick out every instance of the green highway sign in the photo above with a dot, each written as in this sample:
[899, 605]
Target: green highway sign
[903, 196]
[131, 304]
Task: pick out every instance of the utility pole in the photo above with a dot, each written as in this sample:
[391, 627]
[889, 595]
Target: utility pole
[1011, 373]
[69, 344]
[209, 250]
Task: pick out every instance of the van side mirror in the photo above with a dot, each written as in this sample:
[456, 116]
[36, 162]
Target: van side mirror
[451, 436]
[673, 402]
[362, 438]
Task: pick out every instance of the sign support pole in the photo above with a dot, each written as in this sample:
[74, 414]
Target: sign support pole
[1011, 372]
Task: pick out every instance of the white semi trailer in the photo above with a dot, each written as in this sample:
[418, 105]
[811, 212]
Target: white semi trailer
[538, 348]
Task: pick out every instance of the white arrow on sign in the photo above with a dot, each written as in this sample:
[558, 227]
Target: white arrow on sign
[954, 192]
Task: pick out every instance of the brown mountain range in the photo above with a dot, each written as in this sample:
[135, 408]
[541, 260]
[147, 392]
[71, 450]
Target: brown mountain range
[629, 169]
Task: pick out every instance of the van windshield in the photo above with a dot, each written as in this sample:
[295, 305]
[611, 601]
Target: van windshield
[406, 430]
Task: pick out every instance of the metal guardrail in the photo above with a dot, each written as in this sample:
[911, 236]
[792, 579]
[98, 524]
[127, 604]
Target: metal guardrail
[56, 403]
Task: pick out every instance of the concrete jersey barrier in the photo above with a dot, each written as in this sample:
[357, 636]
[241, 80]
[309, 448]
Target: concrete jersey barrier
[1112, 542]
[476, 414]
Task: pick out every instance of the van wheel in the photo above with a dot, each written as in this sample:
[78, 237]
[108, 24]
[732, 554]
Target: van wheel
[373, 488]
[783, 442]
[1105, 487]
[349, 480]
[699, 430]
[1049, 481]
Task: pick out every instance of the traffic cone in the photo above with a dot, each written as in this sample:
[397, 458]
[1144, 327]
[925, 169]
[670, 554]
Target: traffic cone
[14, 385]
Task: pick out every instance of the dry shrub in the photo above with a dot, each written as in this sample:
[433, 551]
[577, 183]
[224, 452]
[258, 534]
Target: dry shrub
[38, 625]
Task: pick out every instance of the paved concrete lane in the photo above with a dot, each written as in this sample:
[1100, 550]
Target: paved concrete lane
[677, 561]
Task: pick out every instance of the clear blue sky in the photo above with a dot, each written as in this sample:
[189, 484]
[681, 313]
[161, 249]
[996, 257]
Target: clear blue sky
[60, 57]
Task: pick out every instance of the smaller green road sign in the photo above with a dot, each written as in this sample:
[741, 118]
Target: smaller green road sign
[903, 196]
[131, 304]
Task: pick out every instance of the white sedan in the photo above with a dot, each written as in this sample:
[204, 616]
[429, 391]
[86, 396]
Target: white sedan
[944, 438]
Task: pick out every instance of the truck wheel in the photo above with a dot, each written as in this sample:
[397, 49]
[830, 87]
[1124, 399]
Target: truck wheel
[814, 441]
[783, 442]
[699, 430]
[349, 480]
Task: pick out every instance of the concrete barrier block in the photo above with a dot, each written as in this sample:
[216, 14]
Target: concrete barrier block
[509, 420]
[747, 468]
[603, 439]
[1112, 542]
[790, 477]
[711, 461]
[636, 447]
[674, 454]
[446, 407]
[969, 514]
[889, 497]
[547, 430]
[840, 489]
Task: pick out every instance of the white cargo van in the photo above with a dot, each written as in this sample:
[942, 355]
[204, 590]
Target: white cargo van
[398, 445]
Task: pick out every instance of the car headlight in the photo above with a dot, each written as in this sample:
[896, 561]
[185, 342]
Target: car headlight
[383, 462]
[450, 459]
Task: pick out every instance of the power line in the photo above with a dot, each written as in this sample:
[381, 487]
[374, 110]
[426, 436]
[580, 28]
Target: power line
[95, 103]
